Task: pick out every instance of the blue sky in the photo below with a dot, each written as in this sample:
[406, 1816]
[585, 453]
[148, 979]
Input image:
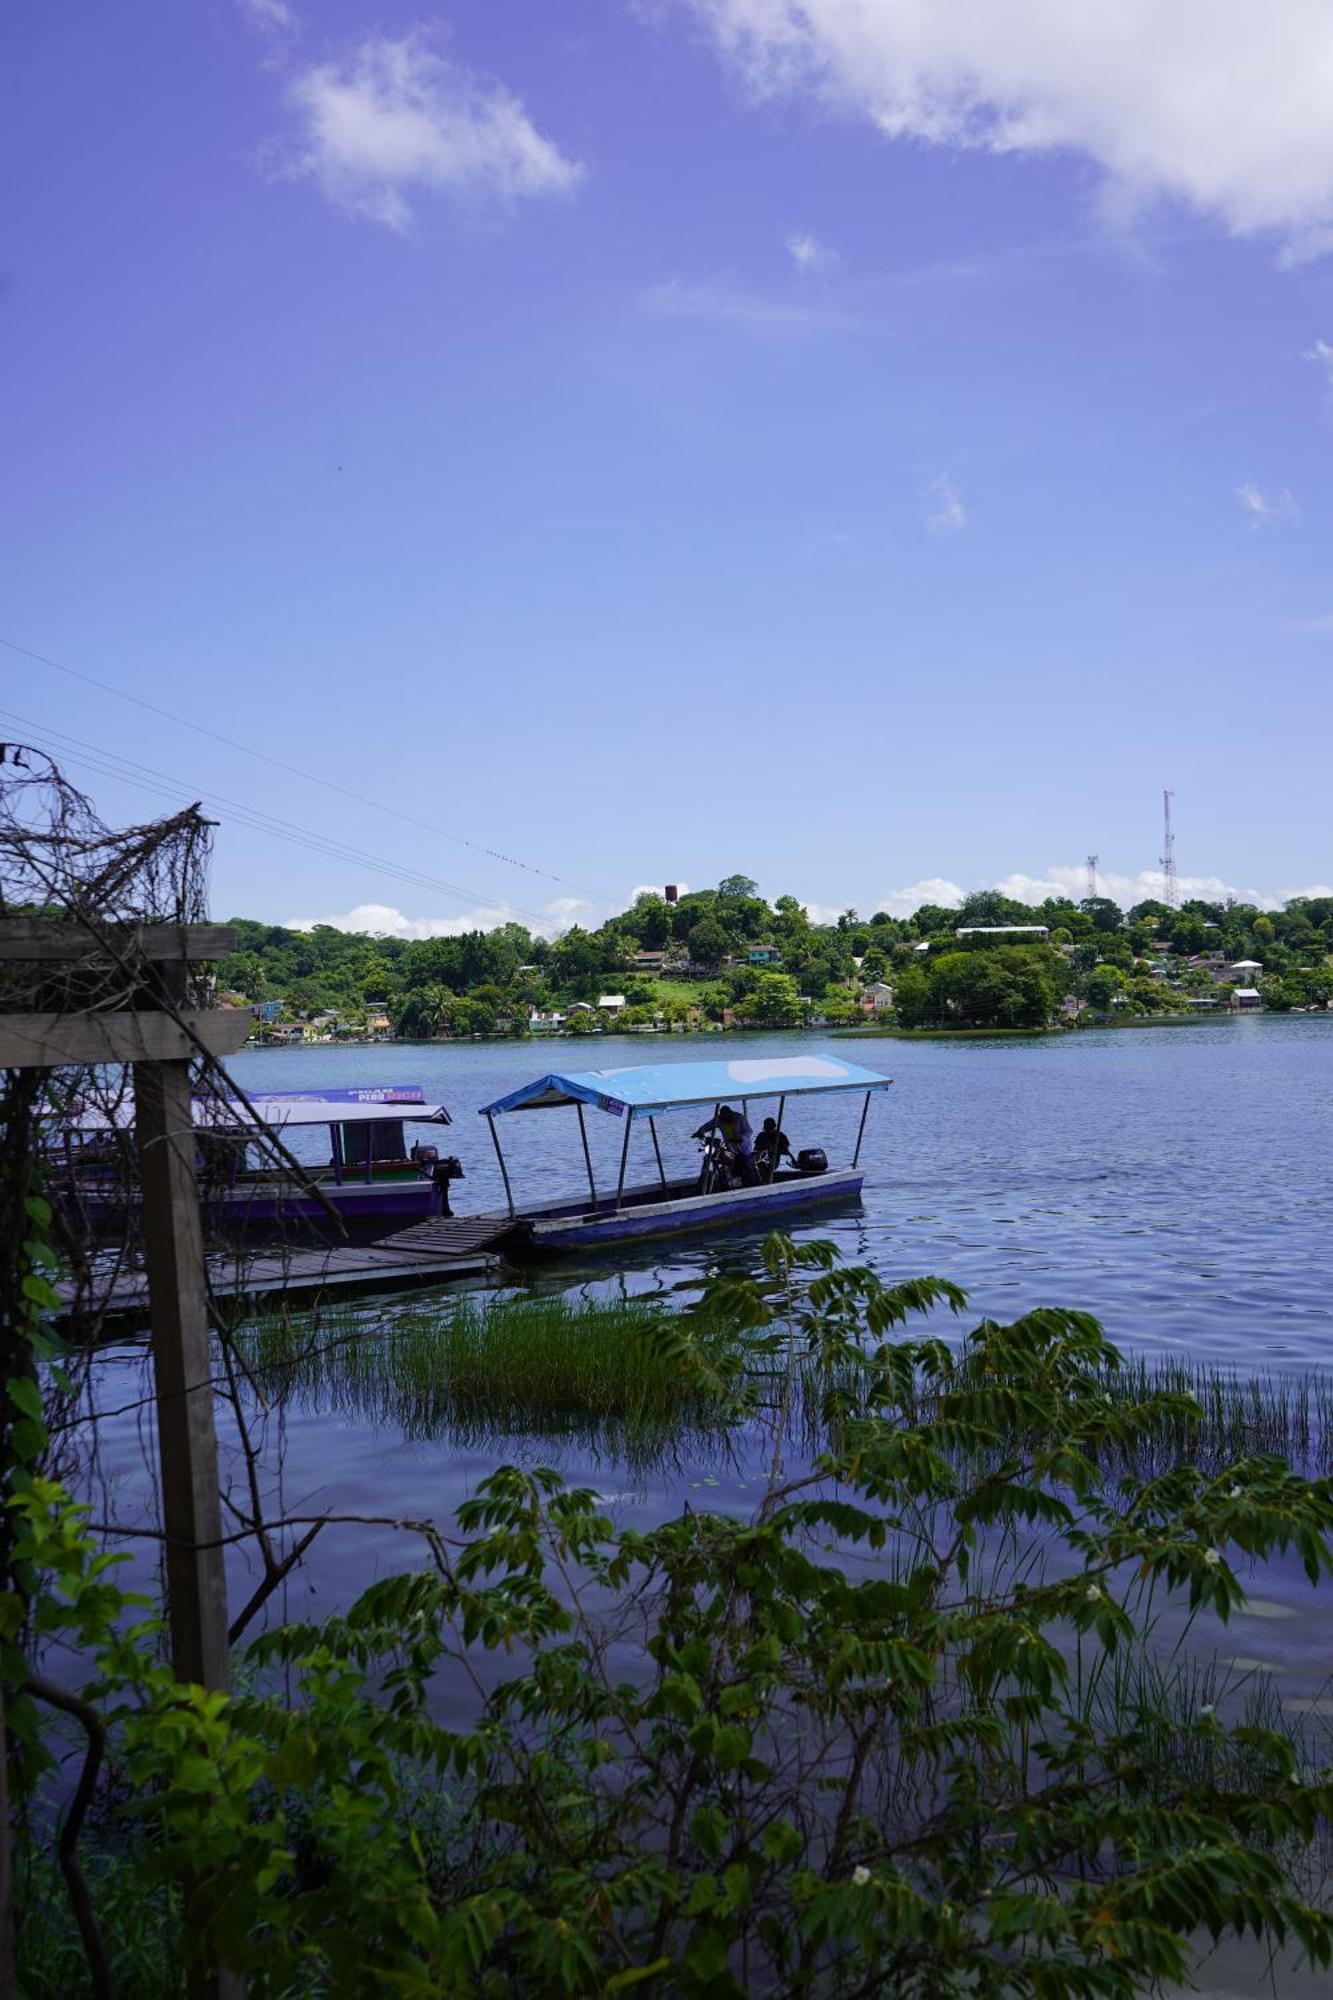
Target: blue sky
[875, 446]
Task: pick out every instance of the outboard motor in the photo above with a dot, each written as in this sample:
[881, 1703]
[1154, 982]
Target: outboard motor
[812, 1160]
[448, 1169]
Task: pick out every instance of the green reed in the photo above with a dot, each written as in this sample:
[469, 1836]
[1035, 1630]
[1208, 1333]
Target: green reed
[480, 1371]
[600, 1373]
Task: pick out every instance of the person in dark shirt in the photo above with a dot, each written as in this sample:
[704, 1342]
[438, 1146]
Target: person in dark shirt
[770, 1147]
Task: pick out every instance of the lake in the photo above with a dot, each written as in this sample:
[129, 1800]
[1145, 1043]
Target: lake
[1174, 1180]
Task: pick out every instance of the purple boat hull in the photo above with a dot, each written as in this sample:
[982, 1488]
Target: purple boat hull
[363, 1208]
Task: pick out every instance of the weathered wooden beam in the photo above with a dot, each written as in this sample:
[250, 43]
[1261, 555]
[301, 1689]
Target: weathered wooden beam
[39, 938]
[44, 1041]
[182, 1367]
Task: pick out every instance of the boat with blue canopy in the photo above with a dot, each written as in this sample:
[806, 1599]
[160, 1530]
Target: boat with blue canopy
[734, 1186]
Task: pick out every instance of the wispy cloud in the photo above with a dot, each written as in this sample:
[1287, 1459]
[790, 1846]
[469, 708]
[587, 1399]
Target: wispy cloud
[273, 17]
[810, 255]
[1322, 352]
[1308, 627]
[722, 302]
[395, 121]
[1261, 507]
[945, 512]
[1216, 104]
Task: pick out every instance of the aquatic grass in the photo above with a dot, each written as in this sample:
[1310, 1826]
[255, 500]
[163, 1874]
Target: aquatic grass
[623, 1376]
[1237, 1415]
[637, 1377]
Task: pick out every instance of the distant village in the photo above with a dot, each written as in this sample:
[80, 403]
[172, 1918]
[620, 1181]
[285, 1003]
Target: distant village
[713, 960]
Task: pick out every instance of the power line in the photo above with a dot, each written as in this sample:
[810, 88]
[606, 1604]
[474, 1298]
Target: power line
[110, 764]
[292, 770]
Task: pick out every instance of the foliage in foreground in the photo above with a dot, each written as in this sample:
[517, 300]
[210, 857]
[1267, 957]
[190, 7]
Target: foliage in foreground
[900, 1730]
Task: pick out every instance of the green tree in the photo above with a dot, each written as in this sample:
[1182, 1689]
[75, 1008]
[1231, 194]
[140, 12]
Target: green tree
[1102, 986]
[738, 888]
[775, 1001]
[708, 943]
[1006, 986]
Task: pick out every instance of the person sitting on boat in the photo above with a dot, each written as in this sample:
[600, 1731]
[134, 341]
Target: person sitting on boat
[770, 1147]
[737, 1135]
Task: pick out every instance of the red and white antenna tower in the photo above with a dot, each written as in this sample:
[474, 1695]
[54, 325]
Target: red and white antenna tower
[1170, 893]
[1092, 876]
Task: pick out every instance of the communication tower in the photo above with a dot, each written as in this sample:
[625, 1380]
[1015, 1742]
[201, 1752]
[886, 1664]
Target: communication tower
[1170, 894]
[1092, 876]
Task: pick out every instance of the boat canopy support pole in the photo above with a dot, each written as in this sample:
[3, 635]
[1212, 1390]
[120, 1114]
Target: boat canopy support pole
[661, 1170]
[504, 1171]
[587, 1156]
[624, 1156]
[861, 1130]
[773, 1163]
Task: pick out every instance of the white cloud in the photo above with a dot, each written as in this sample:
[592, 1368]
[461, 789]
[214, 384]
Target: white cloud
[721, 301]
[1071, 880]
[1310, 889]
[809, 254]
[1223, 105]
[946, 513]
[382, 920]
[933, 889]
[1307, 626]
[1265, 507]
[396, 120]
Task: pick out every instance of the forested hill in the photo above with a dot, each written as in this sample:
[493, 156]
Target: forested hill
[728, 951]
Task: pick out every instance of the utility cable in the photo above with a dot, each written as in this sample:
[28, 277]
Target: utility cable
[292, 770]
[111, 764]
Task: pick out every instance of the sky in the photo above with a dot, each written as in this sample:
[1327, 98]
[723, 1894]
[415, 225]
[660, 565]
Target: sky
[502, 457]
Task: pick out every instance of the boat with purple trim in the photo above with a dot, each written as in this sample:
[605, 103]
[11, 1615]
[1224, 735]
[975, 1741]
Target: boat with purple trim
[371, 1181]
[761, 1195]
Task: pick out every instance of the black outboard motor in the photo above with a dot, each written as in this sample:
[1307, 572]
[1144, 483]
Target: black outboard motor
[442, 1171]
[450, 1168]
[812, 1160]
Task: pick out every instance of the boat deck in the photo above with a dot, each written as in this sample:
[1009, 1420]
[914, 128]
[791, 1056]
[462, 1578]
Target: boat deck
[444, 1251]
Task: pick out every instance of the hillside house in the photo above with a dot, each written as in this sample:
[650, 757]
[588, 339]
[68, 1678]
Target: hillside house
[877, 998]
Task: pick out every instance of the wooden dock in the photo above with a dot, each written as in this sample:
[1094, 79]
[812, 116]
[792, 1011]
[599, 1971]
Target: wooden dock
[448, 1250]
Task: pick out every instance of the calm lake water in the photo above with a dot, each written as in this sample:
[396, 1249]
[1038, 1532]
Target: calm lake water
[1173, 1180]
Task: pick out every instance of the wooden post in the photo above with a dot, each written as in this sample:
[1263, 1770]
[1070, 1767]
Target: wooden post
[178, 1311]
[159, 1049]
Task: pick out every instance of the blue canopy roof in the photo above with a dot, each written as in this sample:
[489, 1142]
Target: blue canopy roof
[662, 1086]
